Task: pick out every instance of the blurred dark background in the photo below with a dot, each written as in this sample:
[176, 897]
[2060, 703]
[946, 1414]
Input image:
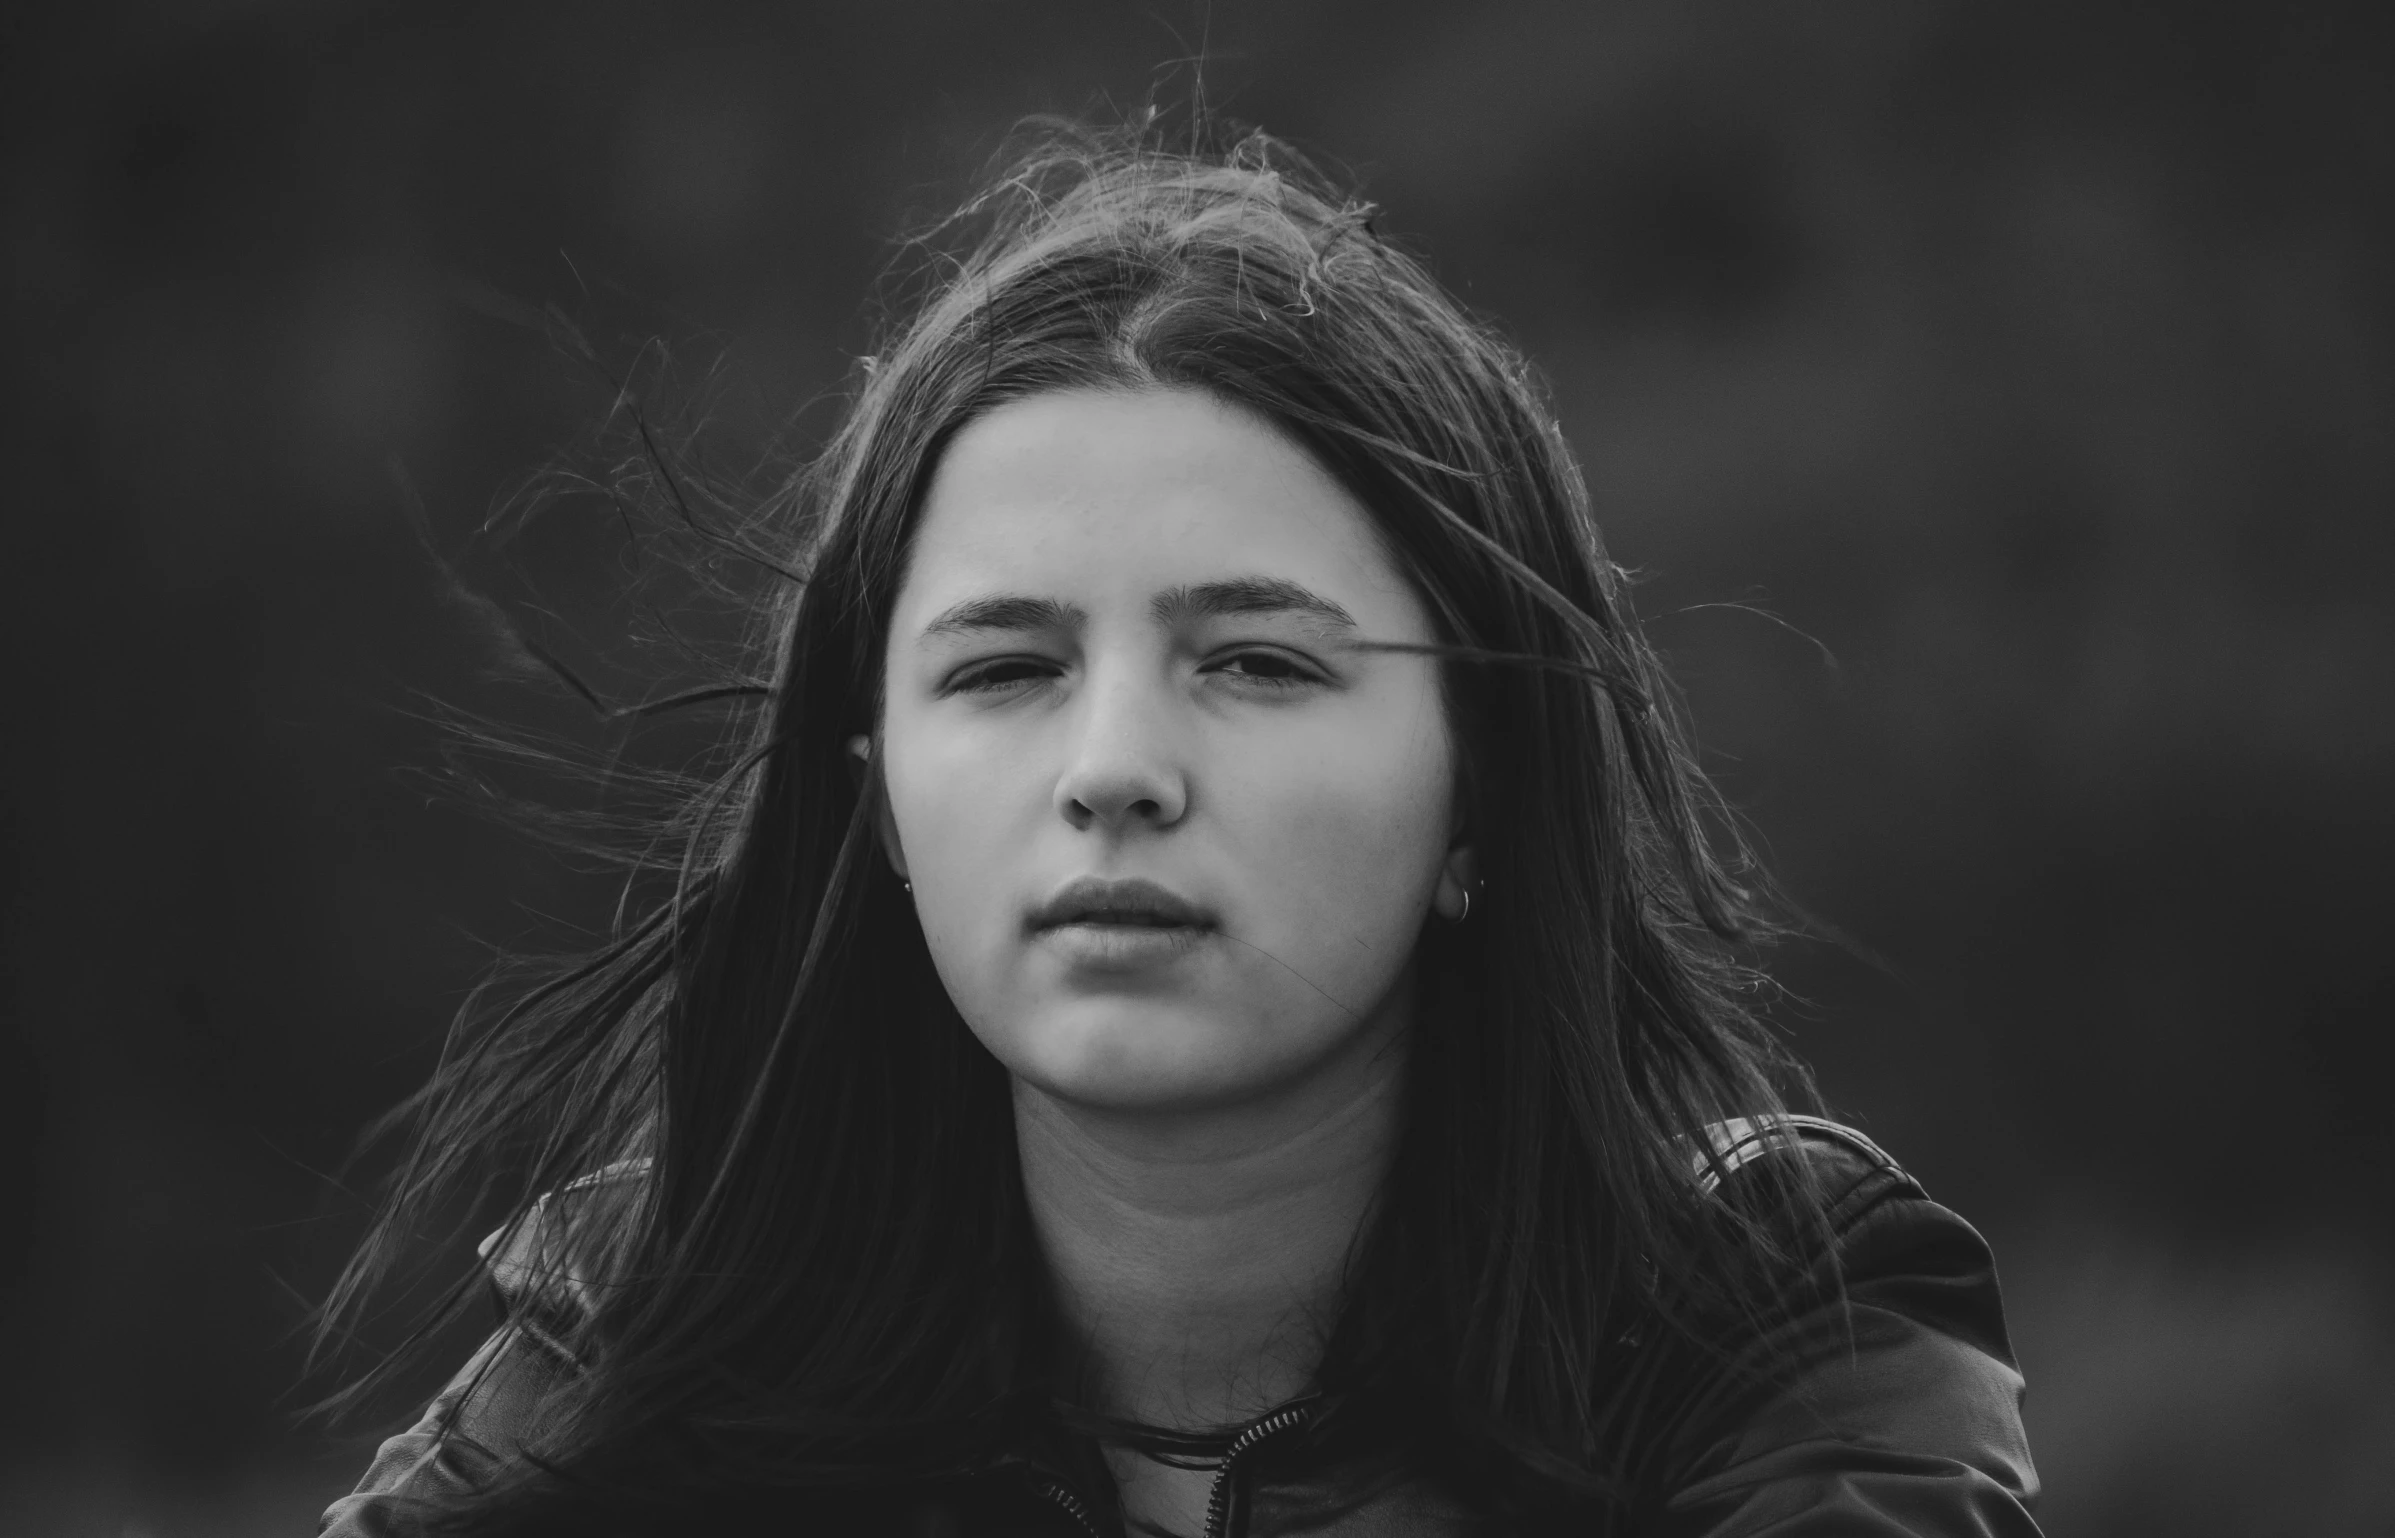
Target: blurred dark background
[2032, 360]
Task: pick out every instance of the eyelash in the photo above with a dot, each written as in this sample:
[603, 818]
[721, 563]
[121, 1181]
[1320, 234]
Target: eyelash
[979, 679]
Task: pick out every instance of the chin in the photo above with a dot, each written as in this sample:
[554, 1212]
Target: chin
[1139, 1059]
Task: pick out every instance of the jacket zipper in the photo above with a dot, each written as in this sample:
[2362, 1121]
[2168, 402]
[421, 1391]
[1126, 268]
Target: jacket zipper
[1072, 1507]
[1218, 1497]
[1218, 1500]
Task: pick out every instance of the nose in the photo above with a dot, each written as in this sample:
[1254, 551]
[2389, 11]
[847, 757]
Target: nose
[1122, 769]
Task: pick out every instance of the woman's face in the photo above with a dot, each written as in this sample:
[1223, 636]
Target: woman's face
[1171, 833]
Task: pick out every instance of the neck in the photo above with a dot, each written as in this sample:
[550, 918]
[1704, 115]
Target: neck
[1198, 1256]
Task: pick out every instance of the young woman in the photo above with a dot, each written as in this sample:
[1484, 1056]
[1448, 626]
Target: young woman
[1212, 1001]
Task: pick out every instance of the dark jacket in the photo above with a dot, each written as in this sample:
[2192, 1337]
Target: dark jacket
[1902, 1415]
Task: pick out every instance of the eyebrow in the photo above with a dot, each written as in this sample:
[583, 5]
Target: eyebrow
[1005, 611]
[1247, 595]
[1202, 600]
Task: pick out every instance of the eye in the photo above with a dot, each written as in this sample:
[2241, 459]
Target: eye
[1265, 667]
[1000, 673]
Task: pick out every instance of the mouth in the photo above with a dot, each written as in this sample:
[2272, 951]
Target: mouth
[1119, 905]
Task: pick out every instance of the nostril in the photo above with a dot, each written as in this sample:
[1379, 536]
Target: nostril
[1124, 790]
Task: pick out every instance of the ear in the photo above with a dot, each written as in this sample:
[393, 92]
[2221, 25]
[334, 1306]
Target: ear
[860, 752]
[1458, 879]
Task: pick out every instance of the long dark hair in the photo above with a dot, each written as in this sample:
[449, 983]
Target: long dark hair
[826, 1274]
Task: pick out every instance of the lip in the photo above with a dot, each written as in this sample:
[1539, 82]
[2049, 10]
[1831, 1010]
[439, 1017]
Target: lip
[1090, 902]
[1119, 948]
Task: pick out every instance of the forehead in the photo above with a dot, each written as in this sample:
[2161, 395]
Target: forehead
[1093, 496]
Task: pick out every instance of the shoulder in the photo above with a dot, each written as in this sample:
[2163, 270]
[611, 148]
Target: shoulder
[1843, 1159]
[1894, 1406]
[545, 1268]
[547, 1264]
[1893, 1246]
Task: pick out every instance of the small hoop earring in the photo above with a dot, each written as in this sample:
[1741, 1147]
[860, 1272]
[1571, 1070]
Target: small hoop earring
[1467, 913]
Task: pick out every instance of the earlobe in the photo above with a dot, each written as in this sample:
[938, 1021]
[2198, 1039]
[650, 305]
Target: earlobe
[1459, 879]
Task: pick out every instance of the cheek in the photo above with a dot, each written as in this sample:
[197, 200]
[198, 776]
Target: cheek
[959, 812]
[938, 833]
[1346, 838]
